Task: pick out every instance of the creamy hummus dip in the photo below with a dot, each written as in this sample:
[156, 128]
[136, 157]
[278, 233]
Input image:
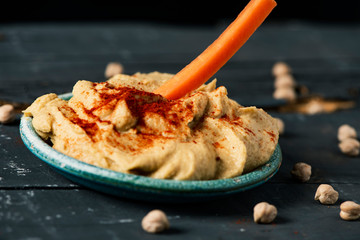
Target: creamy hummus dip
[121, 125]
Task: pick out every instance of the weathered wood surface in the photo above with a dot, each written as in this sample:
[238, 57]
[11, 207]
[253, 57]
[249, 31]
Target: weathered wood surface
[38, 203]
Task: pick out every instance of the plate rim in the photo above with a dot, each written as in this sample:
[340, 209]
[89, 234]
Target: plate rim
[113, 178]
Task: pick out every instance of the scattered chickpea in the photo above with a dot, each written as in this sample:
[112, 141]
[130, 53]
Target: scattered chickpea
[285, 81]
[301, 171]
[264, 213]
[350, 146]
[350, 210]
[155, 221]
[113, 68]
[7, 113]
[285, 93]
[346, 131]
[326, 194]
[280, 68]
[314, 107]
[281, 125]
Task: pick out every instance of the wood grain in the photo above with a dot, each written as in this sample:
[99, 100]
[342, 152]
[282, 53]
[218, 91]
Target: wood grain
[38, 203]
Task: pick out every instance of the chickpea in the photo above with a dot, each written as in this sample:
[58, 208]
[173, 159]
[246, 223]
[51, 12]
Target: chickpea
[264, 213]
[281, 125]
[281, 68]
[285, 93]
[314, 107]
[350, 146]
[113, 68]
[326, 194]
[350, 210]
[7, 113]
[155, 221]
[301, 171]
[346, 131]
[285, 81]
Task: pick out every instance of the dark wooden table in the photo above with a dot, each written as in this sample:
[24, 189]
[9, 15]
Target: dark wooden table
[38, 203]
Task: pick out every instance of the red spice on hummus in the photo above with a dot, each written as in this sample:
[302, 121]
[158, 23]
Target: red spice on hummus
[121, 125]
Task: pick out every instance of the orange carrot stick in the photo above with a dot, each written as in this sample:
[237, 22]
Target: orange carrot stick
[219, 52]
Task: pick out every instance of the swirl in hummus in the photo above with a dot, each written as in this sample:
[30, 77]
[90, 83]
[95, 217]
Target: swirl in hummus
[121, 125]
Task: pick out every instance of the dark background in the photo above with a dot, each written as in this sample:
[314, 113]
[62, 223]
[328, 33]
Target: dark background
[185, 12]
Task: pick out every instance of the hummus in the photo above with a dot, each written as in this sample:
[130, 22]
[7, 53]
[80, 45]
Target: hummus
[121, 125]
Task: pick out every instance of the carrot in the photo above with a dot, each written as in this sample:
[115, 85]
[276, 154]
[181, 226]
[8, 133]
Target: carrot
[219, 52]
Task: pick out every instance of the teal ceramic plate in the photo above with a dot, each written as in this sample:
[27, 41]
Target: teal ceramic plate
[140, 187]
